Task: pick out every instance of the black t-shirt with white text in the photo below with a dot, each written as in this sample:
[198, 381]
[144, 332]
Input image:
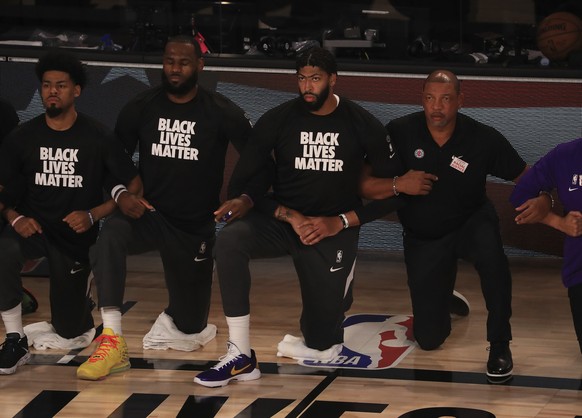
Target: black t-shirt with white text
[182, 150]
[63, 171]
[318, 159]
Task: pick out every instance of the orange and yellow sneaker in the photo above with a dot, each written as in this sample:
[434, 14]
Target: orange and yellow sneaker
[111, 356]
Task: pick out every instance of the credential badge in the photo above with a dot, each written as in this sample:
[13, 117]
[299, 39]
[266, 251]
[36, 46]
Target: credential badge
[459, 164]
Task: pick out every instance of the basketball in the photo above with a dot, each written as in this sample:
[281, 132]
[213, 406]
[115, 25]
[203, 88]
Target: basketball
[559, 34]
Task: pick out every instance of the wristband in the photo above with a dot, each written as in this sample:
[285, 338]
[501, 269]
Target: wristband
[344, 219]
[549, 195]
[91, 218]
[396, 193]
[117, 190]
[119, 194]
[19, 217]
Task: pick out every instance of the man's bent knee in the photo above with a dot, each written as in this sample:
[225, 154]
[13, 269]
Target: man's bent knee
[231, 239]
[430, 341]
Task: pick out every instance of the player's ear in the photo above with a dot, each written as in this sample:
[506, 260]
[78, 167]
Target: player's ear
[332, 79]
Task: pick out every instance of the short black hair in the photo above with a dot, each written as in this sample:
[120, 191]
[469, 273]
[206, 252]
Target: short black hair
[187, 39]
[67, 62]
[317, 57]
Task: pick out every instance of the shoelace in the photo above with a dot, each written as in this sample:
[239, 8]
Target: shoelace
[10, 346]
[229, 357]
[8, 342]
[106, 343]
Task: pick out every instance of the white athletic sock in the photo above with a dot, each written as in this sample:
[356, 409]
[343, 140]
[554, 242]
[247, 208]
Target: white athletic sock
[13, 320]
[111, 316]
[239, 332]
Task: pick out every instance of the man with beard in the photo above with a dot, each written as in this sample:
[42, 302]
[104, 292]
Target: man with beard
[320, 143]
[61, 160]
[181, 132]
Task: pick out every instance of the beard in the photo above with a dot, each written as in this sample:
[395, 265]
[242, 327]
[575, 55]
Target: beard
[52, 111]
[180, 89]
[319, 100]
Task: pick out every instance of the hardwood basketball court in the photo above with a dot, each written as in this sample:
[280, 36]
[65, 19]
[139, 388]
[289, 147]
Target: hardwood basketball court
[449, 382]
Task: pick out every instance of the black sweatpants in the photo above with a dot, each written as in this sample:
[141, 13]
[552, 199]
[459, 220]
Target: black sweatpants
[325, 271]
[187, 261]
[68, 282]
[431, 265]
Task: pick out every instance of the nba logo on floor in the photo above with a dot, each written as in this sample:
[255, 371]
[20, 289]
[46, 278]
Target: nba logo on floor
[372, 341]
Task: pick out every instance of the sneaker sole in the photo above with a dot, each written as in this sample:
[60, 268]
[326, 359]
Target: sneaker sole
[115, 369]
[463, 310]
[498, 380]
[500, 375]
[254, 375]
[23, 360]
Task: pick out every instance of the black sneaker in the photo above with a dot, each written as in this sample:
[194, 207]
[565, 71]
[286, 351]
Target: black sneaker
[14, 353]
[500, 363]
[459, 305]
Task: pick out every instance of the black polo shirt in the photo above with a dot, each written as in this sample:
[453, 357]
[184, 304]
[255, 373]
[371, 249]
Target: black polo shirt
[474, 151]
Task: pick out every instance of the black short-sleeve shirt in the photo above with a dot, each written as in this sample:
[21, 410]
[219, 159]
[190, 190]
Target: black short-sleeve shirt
[462, 165]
